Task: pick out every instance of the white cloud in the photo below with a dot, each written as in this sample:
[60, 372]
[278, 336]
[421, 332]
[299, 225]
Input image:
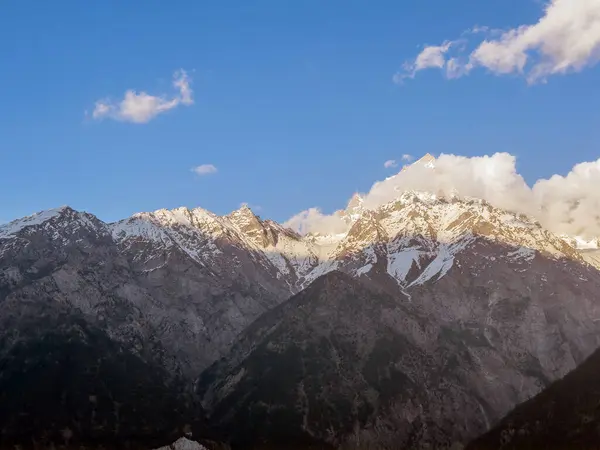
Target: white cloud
[407, 157]
[572, 203]
[204, 169]
[432, 57]
[569, 204]
[566, 39]
[313, 220]
[142, 107]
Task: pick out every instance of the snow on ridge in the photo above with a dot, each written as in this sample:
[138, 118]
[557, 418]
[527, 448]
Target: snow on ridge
[138, 226]
[440, 265]
[12, 228]
[400, 263]
[522, 253]
[446, 225]
[180, 227]
[243, 216]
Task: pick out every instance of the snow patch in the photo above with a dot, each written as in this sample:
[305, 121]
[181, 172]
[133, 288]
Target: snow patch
[522, 254]
[400, 263]
[439, 266]
[365, 269]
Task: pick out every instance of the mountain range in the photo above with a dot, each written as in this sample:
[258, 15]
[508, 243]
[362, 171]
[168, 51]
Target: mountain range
[423, 324]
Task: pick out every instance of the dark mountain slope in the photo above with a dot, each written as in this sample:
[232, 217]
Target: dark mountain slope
[330, 362]
[564, 416]
[65, 382]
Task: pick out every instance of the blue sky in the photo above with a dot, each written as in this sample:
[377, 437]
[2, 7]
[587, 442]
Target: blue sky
[294, 103]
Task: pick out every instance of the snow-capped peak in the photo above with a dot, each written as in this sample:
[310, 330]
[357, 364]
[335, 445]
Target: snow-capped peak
[354, 209]
[243, 216]
[355, 202]
[428, 160]
[12, 228]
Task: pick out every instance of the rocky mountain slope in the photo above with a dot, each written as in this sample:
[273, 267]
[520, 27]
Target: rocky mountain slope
[318, 367]
[176, 288]
[193, 280]
[563, 416]
[448, 361]
[142, 293]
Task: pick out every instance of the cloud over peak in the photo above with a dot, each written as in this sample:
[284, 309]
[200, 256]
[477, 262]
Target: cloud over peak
[565, 205]
[566, 39]
[142, 107]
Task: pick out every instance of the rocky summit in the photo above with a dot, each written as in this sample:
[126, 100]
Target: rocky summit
[423, 322]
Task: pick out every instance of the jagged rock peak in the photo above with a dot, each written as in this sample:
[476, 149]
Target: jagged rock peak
[428, 160]
[243, 214]
[251, 226]
[356, 201]
[367, 229]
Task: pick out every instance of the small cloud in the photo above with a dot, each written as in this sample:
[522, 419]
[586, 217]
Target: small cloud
[390, 163]
[142, 107]
[431, 57]
[408, 158]
[204, 169]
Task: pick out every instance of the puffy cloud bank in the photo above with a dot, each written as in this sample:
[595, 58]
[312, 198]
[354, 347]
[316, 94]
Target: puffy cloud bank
[565, 39]
[569, 204]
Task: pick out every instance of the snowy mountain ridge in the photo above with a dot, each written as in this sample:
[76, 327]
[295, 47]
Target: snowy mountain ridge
[417, 229]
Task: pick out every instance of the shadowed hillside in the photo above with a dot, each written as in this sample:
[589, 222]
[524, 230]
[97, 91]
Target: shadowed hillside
[564, 416]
